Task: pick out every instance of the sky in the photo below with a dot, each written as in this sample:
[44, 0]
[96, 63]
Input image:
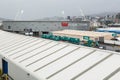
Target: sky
[36, 9]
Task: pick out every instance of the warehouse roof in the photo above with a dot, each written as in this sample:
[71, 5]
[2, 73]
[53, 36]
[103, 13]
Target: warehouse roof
[51, 60]
[80, 34]
[83, 33]
[47, 21]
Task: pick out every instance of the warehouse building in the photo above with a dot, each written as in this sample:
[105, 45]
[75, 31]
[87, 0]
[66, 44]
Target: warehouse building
[79, 34]
[30, 58]
[105, 39]
[39, 27]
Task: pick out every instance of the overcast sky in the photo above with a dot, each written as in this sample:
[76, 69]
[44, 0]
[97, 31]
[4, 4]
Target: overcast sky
[35, 9]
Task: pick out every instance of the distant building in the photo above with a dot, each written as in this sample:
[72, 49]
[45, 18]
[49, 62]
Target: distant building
[117, 20]
[95, 24]
[41, 27]
[1, 25]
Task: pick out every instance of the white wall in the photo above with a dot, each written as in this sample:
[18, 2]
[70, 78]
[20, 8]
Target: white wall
[17, 73]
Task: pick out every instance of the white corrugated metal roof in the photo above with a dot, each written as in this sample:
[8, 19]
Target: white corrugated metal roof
[53, 60]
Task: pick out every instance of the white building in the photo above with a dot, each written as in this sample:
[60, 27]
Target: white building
[31, 58]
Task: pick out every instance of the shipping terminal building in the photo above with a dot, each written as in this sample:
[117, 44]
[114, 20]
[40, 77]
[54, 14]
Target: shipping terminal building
[41, 27]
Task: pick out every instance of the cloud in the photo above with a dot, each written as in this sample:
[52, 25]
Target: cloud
[35, 9]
